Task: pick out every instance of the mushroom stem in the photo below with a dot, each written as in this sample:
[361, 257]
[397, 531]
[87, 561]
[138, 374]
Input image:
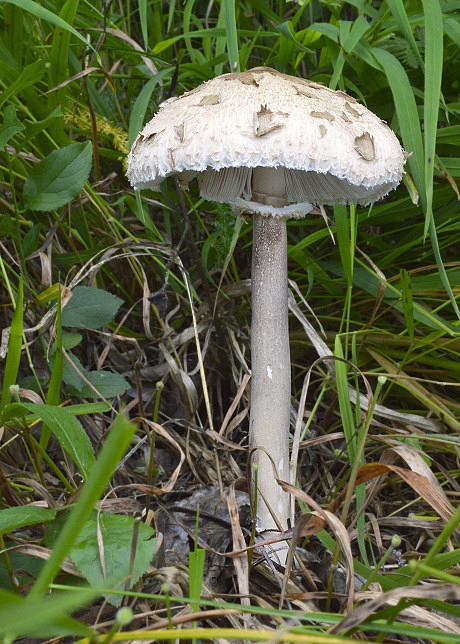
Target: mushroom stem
[271, 368]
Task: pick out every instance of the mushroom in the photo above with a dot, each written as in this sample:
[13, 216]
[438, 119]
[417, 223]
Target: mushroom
[270, 145]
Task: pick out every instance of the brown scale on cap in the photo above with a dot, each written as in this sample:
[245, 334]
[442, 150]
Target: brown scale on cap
[323, 115]
[364, 145]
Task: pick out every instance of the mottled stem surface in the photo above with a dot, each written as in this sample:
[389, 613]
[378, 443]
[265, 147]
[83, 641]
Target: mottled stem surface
[271, 368]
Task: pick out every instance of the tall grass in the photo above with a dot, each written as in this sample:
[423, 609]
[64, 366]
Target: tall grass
[84, 345]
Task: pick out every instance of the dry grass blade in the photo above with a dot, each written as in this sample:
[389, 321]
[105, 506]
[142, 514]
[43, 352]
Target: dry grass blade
[45, 553]
[427, 398]
[122, 36]
[379, 410]
[441, 592]
[338, 530]
[169, 485]
[420, 484]
[234, 405]
[240, 562]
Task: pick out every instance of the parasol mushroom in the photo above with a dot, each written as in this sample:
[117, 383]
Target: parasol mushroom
[270, 145]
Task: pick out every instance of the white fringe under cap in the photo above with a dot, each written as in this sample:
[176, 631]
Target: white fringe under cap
[340, 151]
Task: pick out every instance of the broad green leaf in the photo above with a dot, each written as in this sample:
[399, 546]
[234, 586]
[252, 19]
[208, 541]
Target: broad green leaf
[67, 429]
[108, 385]
[13, 518]
[71, 339]
[116, 532]
[70, 375]
[59, 177]
[11, 125]
[90, 308]
[30, 240]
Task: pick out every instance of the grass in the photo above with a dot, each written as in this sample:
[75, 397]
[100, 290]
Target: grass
[114, 403]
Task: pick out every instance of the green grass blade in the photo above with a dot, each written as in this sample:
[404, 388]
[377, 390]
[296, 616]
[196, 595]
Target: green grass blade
[141, 104]
[40, 12]
[54, 390]
[441, 269]
[143, 19]
[343, 240]
[400, 17]
[14, 349]
[406, 109]
[232, 35]
[186, 26]
[346, 412]
[433, 74]
[23, 617]
[114, 447]
[59, 55]
[407, 302]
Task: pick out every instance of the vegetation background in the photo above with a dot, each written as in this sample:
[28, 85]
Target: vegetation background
[84, 348]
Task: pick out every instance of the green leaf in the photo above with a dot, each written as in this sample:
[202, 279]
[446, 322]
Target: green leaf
[67, 429]
[108, 384]
[71, 339]
[69, 375]
[90, 308]
[13, 518]
[59, 177]
[11, 125]
[30, 240]
[116, 532]
[29, 76]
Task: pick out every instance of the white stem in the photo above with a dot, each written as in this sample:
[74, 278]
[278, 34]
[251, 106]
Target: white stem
[270, 366]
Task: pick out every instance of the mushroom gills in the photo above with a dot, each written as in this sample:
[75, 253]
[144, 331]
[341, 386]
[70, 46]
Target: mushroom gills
[286, 186]
[226, 185]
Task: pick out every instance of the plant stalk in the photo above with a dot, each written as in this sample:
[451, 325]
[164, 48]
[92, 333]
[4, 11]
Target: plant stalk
[271, 369]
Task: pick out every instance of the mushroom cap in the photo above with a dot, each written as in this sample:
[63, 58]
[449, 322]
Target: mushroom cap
[332, 148]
